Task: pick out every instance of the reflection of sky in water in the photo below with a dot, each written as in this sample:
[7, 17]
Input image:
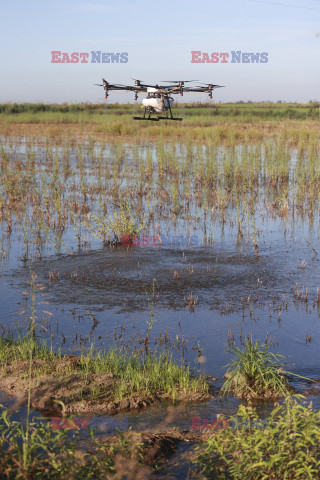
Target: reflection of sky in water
[238, 294]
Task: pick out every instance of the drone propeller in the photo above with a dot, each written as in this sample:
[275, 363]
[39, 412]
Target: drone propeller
[210, 85]
[140, 87]
[179, 81]
[105, 85]
[109, 85]
[180, 84]
[208, 88]
[137, 82]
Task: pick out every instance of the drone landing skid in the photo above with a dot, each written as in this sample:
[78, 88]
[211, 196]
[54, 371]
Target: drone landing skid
[146, 118]
[156, 119]
[170, 118]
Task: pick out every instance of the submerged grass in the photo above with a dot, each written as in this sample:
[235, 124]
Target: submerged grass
[50, 201]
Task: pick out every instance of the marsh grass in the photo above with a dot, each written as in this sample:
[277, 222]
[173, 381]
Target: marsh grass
[252, 110]
[13, 351]
[110, 229]
[256, 373]
[149, 374]
[224, 123]
[55, 187]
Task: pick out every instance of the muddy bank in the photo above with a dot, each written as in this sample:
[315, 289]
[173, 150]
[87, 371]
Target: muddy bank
[244, 391]
[54, 389]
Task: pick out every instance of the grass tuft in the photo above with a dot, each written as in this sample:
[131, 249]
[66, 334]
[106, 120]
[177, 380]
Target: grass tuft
[256, 373]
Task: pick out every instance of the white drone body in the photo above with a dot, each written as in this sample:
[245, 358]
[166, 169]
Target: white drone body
[156, 101]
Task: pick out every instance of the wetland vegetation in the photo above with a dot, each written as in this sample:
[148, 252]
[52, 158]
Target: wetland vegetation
[286, 446]
[256, 373]
[137, 261]
[96, 382]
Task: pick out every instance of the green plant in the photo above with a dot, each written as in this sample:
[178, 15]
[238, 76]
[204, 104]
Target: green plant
[124, 223]
[146, 373]
[285, 446]
[110, 228]
[256, 372]
[38, 451]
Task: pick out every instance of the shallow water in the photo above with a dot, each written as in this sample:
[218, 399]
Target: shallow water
[105, 295]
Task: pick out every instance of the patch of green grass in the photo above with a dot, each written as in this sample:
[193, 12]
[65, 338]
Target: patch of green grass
[287, 446]
[133, 373]
[152, 374]
[16, 350]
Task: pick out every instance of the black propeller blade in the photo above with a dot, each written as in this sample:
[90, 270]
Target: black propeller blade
[109, 85]
[179, 81]
[211, 85]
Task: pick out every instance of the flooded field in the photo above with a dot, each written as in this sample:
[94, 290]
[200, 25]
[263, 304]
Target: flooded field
[184, 248]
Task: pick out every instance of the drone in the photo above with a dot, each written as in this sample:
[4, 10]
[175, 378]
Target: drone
[159, 97]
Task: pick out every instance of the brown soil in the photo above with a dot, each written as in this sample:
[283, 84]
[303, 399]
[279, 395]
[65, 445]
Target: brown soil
[147, 450]
[314, 388]
[75, 390]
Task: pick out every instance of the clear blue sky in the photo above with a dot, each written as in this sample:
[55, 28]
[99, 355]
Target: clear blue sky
[159, 37]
